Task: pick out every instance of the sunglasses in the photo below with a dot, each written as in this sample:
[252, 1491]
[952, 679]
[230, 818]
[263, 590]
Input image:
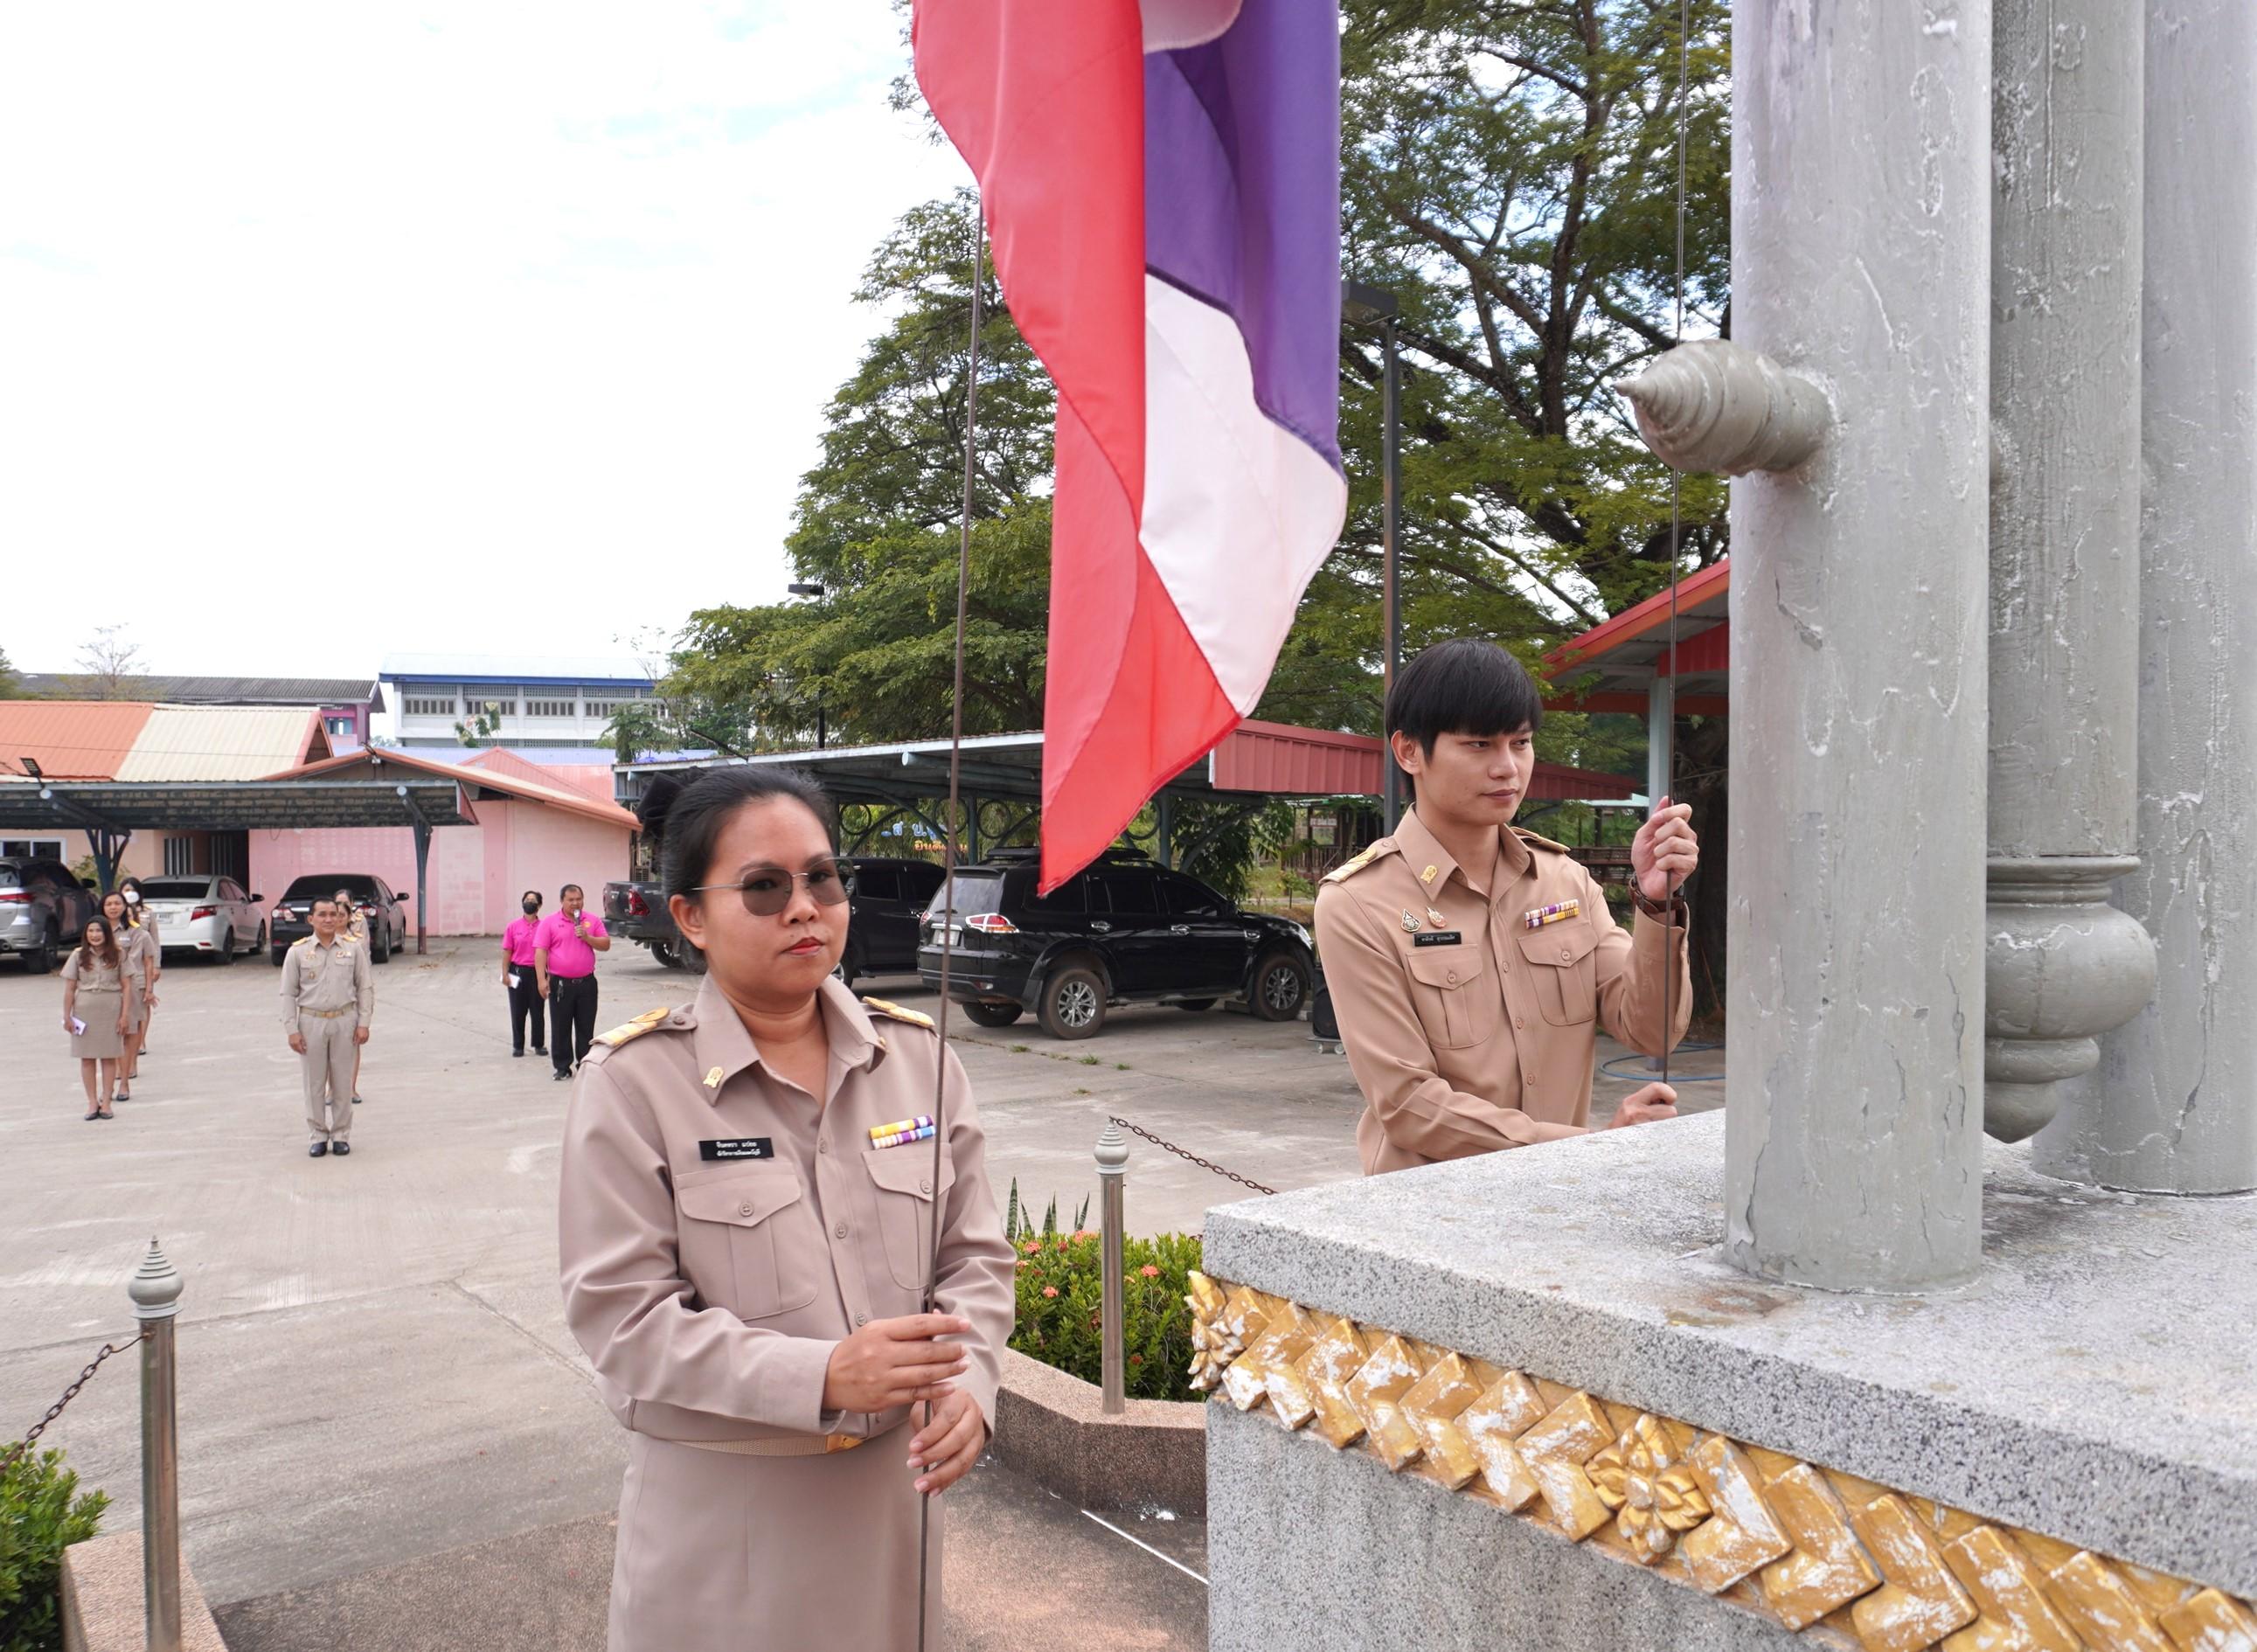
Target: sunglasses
[769, 891]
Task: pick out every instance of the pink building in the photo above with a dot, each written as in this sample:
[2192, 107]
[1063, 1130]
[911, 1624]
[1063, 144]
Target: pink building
[529, 833]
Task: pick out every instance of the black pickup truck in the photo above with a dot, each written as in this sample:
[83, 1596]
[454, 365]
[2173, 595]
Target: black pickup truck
[888, 900]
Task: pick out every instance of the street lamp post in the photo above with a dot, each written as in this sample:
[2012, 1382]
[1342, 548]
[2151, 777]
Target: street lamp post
[1364, 303]
[812, 590]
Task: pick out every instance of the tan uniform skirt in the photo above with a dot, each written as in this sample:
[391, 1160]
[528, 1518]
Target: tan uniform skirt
[723, 1553]
[97, 1007]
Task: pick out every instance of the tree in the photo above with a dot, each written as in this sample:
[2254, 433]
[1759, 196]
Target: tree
[11, 685]
[108, 664]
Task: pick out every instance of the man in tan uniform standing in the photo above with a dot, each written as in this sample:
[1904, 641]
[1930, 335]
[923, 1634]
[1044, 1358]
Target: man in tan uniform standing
[329, 998]
[1471, 963]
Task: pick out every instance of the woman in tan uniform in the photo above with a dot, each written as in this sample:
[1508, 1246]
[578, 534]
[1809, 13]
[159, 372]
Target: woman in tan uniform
[744, 1244]
[99, 980]
[355, 925]
[136, 938]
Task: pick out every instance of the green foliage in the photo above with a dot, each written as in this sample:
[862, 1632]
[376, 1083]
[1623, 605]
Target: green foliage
[11, 685]
[480, 727]
[42, 1512]
[1018, 1222]
[1060, 1287]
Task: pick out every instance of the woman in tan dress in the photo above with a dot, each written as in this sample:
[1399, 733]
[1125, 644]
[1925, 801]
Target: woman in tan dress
[99, 978]
[745, 1220]
[152, 959]
[136, 937]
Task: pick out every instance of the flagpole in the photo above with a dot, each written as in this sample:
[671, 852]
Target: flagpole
[948, 853]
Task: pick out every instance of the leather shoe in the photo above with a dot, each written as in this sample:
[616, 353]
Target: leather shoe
[560, 1076]
[317, 1149]
[519, 1051]
[341, 1148]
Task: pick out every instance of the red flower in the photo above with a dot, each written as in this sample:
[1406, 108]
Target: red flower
[1049, 1290]
[1135, 1359]
[1032, 1247]
[1149, 1271]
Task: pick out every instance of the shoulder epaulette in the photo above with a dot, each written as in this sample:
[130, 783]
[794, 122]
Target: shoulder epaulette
[1355, 864]
[303, 941]
[894, 1012]
[633, 1029]
[1534, 841]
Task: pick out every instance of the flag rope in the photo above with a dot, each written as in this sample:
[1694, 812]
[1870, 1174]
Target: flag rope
[1676, 534]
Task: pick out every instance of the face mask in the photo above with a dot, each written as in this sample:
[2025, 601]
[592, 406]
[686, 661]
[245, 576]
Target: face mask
[532, 906]
[133, 897]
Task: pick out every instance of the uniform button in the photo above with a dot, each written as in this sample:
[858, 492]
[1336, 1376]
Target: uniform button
[1564, 954]
[823, 1146]
[1454, 977]
[924, 1187]
[841, 1230]
[861, 1319]
[745, 1209]
[1520, 1024]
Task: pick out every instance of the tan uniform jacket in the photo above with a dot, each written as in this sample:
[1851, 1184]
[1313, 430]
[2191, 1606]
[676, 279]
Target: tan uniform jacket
[710, 1283]
[335, 976]
[1475, 1032]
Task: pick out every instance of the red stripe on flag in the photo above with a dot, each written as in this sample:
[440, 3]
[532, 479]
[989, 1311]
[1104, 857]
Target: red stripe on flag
[1046, 101]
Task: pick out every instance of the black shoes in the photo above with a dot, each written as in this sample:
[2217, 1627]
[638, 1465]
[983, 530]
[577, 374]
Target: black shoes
[341, 1148]
[560, 1076]
[541, 1049]
[317, 1149]
[519, 1050]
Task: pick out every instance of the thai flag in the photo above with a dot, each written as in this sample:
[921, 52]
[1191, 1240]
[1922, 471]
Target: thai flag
[1161, 186]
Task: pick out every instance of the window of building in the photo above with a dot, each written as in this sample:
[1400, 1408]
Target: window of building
[429, 700]
[337, 725]
[548, 707]
[180, 855]
[603, 702]
[31, 848]
[501, 698]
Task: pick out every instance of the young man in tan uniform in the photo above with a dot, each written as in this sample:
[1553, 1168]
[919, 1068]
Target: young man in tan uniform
[329, 999]
[1470, 962]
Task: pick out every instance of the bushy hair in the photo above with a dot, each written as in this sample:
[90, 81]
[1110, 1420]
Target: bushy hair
[1466, 686]
[695, 820]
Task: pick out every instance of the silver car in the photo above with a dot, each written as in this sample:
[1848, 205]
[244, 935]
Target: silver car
[208, 914]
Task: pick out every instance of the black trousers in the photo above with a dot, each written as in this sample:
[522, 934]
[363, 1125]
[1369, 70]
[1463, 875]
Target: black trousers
[524, 1002]
[571, 1019]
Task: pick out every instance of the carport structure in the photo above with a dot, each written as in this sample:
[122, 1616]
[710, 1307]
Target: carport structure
[1257, 762]
[110, 812]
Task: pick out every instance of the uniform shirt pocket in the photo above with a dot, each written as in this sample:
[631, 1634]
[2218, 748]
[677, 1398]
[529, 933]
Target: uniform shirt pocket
[1566, 974]
[1455, 1001]
[736, 1237]
[902, 1178]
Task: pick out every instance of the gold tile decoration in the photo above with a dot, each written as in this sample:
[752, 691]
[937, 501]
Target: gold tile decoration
[1811, 1545]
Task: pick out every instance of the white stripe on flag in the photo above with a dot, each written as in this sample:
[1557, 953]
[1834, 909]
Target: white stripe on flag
[1239, 512]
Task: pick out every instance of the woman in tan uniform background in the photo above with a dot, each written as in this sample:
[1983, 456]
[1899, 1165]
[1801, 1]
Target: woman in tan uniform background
[354, 926]
[744, 1244]
[152, 942]
[137, 942]
[99, 980]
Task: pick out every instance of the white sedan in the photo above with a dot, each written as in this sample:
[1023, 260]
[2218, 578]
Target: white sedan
[208, 914]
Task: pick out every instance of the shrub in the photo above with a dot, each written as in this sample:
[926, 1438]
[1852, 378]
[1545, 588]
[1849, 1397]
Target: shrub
[42, 1512]
[1060, 1303]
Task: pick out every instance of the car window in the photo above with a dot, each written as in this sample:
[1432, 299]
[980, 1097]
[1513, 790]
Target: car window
[1188, 899]
[1134, 894]
[176, 888]
[362, 885]
[974, 891]
[1069, 899]
[11, 879]
[922, 883]
[877, 883]
[231, 890]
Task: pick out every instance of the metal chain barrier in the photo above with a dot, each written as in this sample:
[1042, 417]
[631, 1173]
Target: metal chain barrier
[24, 1446]
[1184, 1153]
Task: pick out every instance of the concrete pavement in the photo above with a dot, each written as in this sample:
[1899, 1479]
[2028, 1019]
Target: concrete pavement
[374, 1366]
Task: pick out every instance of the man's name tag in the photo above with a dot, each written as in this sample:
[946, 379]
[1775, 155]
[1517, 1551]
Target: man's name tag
[742, 1147]
[1439, 938]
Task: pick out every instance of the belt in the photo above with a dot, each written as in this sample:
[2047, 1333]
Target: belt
[326, 1015]
[786, 1445]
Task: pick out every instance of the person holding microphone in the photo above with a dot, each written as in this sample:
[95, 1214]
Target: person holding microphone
[519, 979]
[564, 949]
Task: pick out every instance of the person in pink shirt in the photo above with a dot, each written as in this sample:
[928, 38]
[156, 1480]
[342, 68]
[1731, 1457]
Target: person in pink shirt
[564, 949]
[517, 975]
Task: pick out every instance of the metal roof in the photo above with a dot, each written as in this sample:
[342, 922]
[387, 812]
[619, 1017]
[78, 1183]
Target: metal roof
[223, 743]
[388, 762]
[1255, 760]
[84, 739]
[1613, 663]
[230, 805]
[313, 691]
[515, 668]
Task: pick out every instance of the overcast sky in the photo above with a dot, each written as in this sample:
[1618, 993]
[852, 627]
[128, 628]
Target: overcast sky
[327, 330]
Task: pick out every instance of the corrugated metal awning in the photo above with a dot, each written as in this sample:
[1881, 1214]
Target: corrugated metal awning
[230, 805]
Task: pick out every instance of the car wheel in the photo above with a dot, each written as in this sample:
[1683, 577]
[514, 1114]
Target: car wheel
[226, 953]
[1074, 1003]
[382, 950]
[278, 953]
[993, 1014]
[1196, 1003]
[850, 968]
[259, 945]
[1281, 983]
[41, 958]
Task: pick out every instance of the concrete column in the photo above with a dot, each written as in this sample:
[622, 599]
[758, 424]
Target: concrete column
[1660, 710]
[2173, 1108]
[2062, 965]
[1861, 252]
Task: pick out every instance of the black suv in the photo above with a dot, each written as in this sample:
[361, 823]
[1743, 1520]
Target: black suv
[889, 898]
[387, 924]
[1125, 931]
